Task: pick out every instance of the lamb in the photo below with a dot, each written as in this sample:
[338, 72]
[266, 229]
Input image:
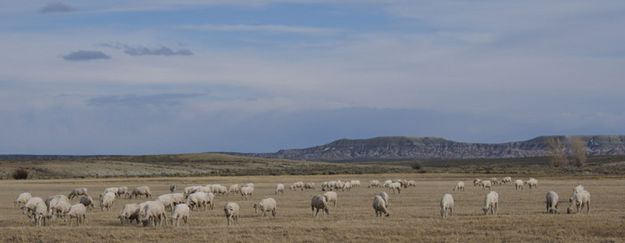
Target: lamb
[459, 186]
[384, 196]
[78, 192]
[580, 200]
[518, 184]
[181, 212]
[106, 201]
[374, 184]
[234, 188]
[77, 211]
[532, 183]
[266, 205]
[22, 199]
[395, 187]
[152, 212]
[332, 197]
[141, 191]
[87, 201]
[319, 202]
[491, 202]
[246, 192]
[279, 189]
[379, 206]
[447, 205]
[231, 210]
[486, 184]
[551, 202]
[129, 213]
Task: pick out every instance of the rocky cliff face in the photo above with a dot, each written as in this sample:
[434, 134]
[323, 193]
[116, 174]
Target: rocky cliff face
[409, 148]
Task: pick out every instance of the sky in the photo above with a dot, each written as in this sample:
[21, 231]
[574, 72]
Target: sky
[181, 76]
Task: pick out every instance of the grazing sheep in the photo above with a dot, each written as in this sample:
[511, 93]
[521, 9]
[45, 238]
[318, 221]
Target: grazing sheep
[40, 214]
[129, 213]
[459, 186]
[395, 187]
[123, 191]
[310, 185]
[491, 202]
[532, 183]
[22, 199]
[87, 201]
[518, 184]
[167, 200]
[332, 197]
[191, 189]
[374, 184]
[234, 188]
[141, 191]
[114, 190]
[355, 183]
[578, 201]
[200, 200]
[319, 202]
[181, 212]
[486, 184]
[231, 210]
[279, 189]
[77, 211]
[494, 180]
[266, 205]
[106, 201]
[412, 183]
[384, 196]
[152, 212]
[172, 188]
[379, 206]
[29, 206]
[551, 202]
[506, 180]
[447, 205]
[297, 185]
[246, 192]
[59, 207]
[78, 192]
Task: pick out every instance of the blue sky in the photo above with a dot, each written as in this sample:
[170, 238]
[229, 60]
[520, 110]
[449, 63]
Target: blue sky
[163, 76]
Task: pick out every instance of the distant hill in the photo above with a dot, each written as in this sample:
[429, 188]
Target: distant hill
[417, 148]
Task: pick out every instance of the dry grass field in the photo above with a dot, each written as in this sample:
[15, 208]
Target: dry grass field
[414, 213]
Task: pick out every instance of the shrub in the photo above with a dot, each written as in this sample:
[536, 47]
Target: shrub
[20, 174]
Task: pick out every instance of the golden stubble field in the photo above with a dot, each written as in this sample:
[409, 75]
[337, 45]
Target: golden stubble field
[414, 213]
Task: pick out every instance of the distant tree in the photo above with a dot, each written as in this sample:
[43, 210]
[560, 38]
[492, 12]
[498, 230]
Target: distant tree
[578, 151]
[557, 154]
[416, 166]
[20, 174]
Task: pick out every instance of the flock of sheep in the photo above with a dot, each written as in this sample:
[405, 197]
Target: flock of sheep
[180, 205]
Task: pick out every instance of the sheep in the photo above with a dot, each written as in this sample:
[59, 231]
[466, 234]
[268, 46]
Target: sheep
[234, 188]
[379, 206]
[78, 192]
[297, 185]
[494, 180]
[395, 187]
[152, 212]
[477, 182]
[59, 207]
[279, 189]
[29, 206]
[310, 185]
[491, 202]
[77, 211]
[447, 205]
[172, 188]
[579, 200]
[532, 183]
[114, 190]
[40, 213]
[181, 212]
[551, 202]
[266, 205]
[332, 197]
[579, 188]
[374, 184]
[22, 199]
[412, 183]
[106, 201]
[191, 189]
[319, 202]
[200, 200]
[87, 201]
[231, 210]
[129, 213]
[355, 183]
[123, 191]
[167, 200]
[246, 192]
[459, 186]
[518, 184]
[384, 196]
[506, 180]
[486, 184]
[141, 191]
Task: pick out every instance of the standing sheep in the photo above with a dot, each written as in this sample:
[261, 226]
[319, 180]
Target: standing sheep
[379, 206]
[152, 212]
[395, 187]
[123, 191]
[141, 191]
[486, 184]
[78, 192]
[491, 202]
[578, 201]
[231, 210]
[280, 189]
[477, 182]
[447, 205]
[518, 184]
[129, 213]
[246, 192]
[332, 197]
[181, 212]
[266, 205]
[319, 202]
[77, 211]
[234, 188]
[374, 184]
[106, 201]
[532, 183]
[385, 196]
[551, 202]
[459, 186]
[22, 199]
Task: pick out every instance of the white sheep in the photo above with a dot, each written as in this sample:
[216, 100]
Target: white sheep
[22, 199]
[374, 184]
[355, 183]
[532, 183]
[506, 180]
[77, 211]
[152, 212]
[29, 206]
[477, 182]
[280, 189]
[59, 207]
[447, 205]
[578, 201]
[114, 190]
[181, 212]
[167, 200]
[319, 202]
[234, 188]
[231, 210]
[106, 201]
[310, 185]
[395, 187]
[491, 202]
[332, 197]
[141, 191]
[78, 192]
[191, 189]
[385, 196]
[266, 205]
[459, 186]
[123, 191]
[246, 192]
[486, 184]
[379, 206]
[551, 202]
[37, 210]
[518, 184]
[200, 200]
[129, 213]
[412, 183]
